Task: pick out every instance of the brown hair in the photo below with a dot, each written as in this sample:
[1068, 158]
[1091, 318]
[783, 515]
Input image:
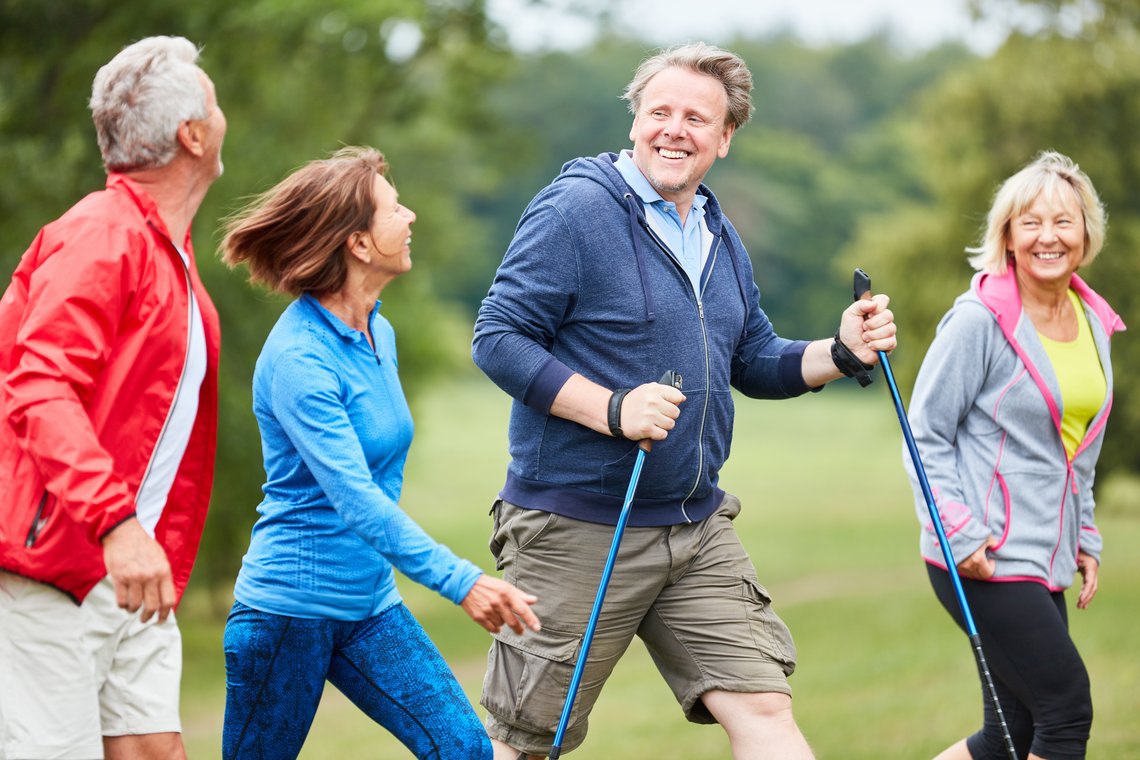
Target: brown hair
[725, 67]
[293, 235]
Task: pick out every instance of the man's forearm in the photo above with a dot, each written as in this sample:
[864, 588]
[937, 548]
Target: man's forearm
[584, 402]
[818, 367]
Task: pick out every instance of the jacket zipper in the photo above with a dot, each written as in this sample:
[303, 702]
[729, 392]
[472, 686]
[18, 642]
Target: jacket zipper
[708, 384]
[38, 522]
[1070, 472]
[182, 374]
[698, 296]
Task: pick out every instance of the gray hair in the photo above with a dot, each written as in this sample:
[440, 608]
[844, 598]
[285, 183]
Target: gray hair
[1045, 175]
[140, 97]
[725, 67]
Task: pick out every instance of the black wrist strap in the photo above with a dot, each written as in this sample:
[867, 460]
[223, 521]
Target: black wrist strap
[849, 364]
[613, 415]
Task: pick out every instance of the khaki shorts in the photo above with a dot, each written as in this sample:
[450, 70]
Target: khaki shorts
[688, 591]
[72, 674]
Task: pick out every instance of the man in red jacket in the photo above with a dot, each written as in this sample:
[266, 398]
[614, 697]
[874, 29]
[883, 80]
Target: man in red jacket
[108, 417]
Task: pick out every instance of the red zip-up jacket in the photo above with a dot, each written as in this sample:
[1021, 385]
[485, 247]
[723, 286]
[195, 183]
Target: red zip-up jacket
[93, 335]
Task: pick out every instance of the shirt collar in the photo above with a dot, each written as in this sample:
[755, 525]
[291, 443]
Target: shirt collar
[640, 185]
[334, 321]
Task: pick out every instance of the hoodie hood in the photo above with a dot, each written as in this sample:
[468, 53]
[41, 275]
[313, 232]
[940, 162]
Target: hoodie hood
[1000, 295]
[601, 170]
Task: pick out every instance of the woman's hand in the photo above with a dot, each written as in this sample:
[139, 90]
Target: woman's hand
[979, 566]
[1088, 568]
[493, 603]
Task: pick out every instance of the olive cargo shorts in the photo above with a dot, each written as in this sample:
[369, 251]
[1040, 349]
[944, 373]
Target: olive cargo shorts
[688, 591]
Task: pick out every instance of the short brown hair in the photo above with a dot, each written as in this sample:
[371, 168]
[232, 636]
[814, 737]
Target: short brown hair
[293, 235]
[725, 67]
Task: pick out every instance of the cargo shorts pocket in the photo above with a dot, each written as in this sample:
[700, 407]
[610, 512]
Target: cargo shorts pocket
[769, 632]
[528, 676]
[514, 528]
[495, 544]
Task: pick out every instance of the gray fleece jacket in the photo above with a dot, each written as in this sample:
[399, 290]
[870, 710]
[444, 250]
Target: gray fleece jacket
[986, 416]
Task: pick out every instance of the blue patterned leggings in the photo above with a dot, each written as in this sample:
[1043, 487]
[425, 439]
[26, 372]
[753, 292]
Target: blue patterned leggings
[276, 668]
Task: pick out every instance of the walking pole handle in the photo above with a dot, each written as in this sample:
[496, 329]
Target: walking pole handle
[671, 377]
[862, 285]
[845, 359]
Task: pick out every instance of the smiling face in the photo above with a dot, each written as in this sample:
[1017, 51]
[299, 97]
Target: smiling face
[390, 233]
[1048, 238]
[679, 131]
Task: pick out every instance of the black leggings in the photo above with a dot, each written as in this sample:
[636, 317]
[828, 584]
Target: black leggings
[1038, 673]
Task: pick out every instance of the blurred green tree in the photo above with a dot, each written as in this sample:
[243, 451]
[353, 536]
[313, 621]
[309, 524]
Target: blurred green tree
[297, 79]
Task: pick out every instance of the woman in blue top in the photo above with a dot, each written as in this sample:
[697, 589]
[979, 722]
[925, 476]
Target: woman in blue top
[316, 598]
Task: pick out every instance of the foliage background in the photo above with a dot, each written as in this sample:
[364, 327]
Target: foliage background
[858, 155]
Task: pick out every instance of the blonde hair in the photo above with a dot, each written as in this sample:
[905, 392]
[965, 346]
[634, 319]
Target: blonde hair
[293, 235]
[1045, 175]
[725, 67]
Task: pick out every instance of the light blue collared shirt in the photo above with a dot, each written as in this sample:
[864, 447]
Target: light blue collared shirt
[688, 241]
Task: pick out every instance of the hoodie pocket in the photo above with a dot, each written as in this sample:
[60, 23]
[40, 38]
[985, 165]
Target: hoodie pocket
[616, 474]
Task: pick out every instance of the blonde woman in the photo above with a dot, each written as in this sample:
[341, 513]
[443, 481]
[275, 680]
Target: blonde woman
[1009, 413]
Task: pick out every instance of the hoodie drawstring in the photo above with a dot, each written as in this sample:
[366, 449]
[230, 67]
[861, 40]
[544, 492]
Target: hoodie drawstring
[739, 281]
[639, 256]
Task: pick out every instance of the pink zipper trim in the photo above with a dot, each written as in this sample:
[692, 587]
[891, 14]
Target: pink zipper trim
[997, 478]
[1004, 578]
[1061, 522]
[1008, 513]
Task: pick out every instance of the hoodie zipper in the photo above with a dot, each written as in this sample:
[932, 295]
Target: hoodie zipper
[708, 383]
[699, 297]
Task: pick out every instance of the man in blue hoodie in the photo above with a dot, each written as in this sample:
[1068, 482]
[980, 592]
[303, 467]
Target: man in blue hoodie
[622, 268]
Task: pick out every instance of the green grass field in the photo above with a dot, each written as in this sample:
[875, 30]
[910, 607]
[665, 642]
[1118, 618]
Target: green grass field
[829, 522]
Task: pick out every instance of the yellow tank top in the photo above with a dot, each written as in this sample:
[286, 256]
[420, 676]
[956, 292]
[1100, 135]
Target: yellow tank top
[1081, 377]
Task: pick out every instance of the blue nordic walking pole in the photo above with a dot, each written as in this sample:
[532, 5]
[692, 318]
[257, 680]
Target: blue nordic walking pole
[863, 290]
[672, 378]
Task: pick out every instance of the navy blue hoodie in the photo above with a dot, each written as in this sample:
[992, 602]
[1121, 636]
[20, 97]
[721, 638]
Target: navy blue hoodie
[586, 287]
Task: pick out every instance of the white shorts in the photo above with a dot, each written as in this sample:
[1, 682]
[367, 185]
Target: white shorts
[70, 675]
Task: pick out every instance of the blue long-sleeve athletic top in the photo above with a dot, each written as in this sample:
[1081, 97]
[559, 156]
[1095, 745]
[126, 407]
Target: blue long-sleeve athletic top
[335, 432]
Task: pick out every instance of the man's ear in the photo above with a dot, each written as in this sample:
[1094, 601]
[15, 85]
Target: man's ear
[725, 140]
[190, 136]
